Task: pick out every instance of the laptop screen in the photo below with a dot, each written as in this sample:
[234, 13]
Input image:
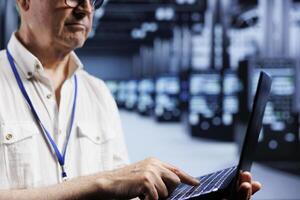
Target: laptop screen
[255, 122]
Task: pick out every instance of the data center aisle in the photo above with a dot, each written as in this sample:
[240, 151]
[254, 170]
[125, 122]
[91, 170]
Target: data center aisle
[171, 143]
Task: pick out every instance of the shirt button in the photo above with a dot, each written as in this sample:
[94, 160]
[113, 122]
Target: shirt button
[8, 136]
[29, 74]
[98, 138]
[49, 96]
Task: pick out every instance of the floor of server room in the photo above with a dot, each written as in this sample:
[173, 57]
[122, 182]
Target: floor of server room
[171, 143]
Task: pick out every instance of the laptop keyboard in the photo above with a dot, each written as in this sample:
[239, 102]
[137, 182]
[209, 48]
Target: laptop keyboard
[208, 183]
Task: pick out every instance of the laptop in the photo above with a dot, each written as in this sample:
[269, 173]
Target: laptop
[223, 183]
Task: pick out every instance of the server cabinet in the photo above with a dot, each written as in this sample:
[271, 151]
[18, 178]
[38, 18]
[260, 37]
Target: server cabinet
[167, 98]
[213, 104]
[146, 95]
[279, 137]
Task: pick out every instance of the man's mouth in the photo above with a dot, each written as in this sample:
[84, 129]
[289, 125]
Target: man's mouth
[76, 25]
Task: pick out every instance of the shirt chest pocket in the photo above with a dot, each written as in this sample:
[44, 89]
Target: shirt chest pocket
[19, 142]
[96, 147]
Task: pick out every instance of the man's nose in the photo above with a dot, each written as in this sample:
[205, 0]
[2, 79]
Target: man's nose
[85, 6]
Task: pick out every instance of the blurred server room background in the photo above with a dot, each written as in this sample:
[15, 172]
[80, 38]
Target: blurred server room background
[183, 73]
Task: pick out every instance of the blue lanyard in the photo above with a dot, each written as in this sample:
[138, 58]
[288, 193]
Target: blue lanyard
[60, 157]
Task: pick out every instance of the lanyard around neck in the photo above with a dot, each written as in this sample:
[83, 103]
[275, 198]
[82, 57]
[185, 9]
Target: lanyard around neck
[60, 156]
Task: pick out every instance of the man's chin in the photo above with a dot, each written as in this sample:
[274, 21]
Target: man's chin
[74, 39]
[74, 43]
[78, 44]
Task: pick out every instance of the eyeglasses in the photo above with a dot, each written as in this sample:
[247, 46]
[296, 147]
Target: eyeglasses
[74, 3]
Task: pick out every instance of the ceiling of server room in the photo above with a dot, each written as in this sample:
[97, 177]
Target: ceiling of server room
[125, 24]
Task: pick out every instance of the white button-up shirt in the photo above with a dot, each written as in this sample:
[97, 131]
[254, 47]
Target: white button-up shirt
[26, 159]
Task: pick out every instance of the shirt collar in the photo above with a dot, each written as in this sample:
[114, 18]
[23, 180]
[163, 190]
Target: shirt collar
[30, 65]
[74, 64]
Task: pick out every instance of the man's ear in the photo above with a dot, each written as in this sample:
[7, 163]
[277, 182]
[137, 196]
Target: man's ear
[23, 4]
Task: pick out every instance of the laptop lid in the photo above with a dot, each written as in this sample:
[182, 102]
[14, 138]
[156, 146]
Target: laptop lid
[254, 124]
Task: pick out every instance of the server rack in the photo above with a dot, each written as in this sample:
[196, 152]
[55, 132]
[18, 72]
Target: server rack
[279, 139]
[132, 94]
[146, 91]
[167, 103]
[213, 104]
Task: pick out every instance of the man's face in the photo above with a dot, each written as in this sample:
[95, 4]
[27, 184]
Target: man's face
[52, 22]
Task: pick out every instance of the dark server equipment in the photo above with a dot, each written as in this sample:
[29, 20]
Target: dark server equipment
[204, 102]
[121, 94]
[213, 104]
[146, 92]
[184, 90]
[167, 103]
[131, 97]
[230, 105]
[279, 137]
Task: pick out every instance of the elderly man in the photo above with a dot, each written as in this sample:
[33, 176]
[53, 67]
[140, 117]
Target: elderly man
[60, 123]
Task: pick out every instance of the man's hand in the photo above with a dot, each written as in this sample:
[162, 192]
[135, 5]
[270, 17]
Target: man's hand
[150, 179]
[247, 187]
